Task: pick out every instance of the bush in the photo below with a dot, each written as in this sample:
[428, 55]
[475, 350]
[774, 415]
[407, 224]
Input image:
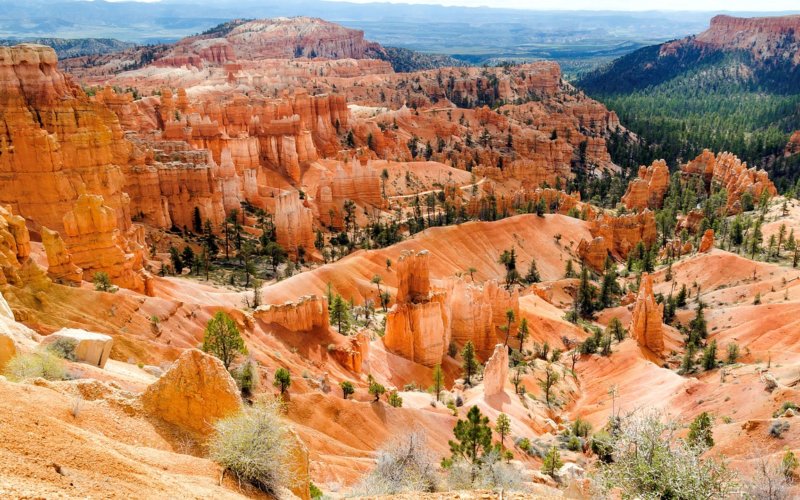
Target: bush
[315, 491]
[34, 365]
[64, 348]
[777, 428]
[102, 283]
[245, 377]
[552, 462]
[602, 446]
[283, 379]
[581, 428]
[491, 473]
[787, 405]
[395, 400]
[253, 446]
[648, 462]
[404, 465]
[574, 444]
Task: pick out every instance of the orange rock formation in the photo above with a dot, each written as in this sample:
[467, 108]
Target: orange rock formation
[707, 243]
[304, 315]
[196, 391]
[496, 371]
[647, 318]
[647, 191]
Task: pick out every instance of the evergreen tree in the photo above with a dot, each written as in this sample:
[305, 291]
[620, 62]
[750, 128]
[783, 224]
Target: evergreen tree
[552, 462]
[347, 388]
[503, 427]
[222, 338]
[197, 221]
[585, 295]
[438, 381]
[569, 272]
[282, 380]
[473, 439]
[533, 273]
[710, 356]
[468, 362]
[700, 433]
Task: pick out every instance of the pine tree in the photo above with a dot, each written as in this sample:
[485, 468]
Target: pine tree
[700, 433]
[197, 221]
[282, 380]
[710, 356]
[585, 295]
[552, 462]
[473, 439]
[503, 427]
[468, 363]
[438, 381]
[222, 338]
[533, 273]
[347, 388]
[569, 272]
[340, 314]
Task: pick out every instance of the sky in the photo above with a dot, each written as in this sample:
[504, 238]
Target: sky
[623, 5]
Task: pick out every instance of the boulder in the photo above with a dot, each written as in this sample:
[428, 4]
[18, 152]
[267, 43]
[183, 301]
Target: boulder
[196, 391]
[90, 348]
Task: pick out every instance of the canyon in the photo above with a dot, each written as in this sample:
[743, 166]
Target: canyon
[361, 226]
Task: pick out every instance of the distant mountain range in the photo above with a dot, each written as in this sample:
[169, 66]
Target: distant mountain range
[578, 40]
[734, 87]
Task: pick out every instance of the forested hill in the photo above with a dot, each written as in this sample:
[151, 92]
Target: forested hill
[708, 91]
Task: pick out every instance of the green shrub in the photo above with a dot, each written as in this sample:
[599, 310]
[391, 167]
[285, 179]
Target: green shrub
[574, 444]
[315, 491]
[395, 400]
[581, 428]
[253, 446]
[102, 283]
[787, 405]
[245, 377]
[601, 445]
[34, 365]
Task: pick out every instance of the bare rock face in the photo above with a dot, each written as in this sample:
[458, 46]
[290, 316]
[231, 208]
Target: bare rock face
[95, 243]
[294, 224]
[496, 371]
[59, 261]
[55, 143]
[418, 325]
[7, 350]
[707, 243]
[647, 191]
[647, 318]
[413, 276]
[90, 348]
[15, 246]
[196, 391]
[763, 37]
[355, 353]
[617, 236]
[306, 314]
[727, 171]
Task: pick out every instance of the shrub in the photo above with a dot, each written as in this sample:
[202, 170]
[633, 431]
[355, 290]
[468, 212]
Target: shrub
[777, 428]
[601, 445]
[282, 379]
[253, 446]
[376, 389]
[347, 388]
[245, 377]
[700, 433]
[581, 428]
[524, 444]
[787, 405]
[36, 364]
[102, 283]
[490, 473]
[404, 465]
[395, 400]
[574, 443]
[648, 462]
[789, 463]
[64, 348]
[315, 491]
[733, 353]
